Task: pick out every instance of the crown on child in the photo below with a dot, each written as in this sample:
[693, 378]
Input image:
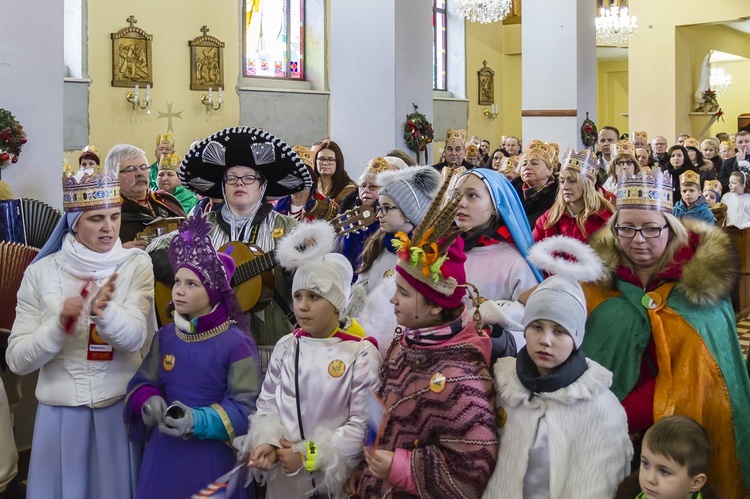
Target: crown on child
[583, 163]
[646, 190]
[712, 185]
[690, 177]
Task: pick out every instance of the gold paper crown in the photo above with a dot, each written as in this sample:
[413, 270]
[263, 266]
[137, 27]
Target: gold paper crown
[167, 138]
[91, 148]
[306, 155]
[541, 150]
[727, 143]
[623, 147]
[455, 136]
[378, 165]
[67, 169]
[690, 177]
[472, 149]
[646, 190]
[641, 136]
[94, 192]
[509, 165]
[712, 185]
[691, 142]
[170, 162]
[583, 162]
[554, 152]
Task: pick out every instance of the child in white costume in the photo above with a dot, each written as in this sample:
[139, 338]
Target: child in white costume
[562, 432]
[308, 432]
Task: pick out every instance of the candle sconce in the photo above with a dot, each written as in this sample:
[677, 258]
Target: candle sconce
[137, 103]
[208, 101]
[491, 112]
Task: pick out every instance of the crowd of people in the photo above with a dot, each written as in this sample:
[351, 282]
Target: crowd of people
[525, 323]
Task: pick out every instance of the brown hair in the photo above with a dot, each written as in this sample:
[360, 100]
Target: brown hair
[683, 440]
[340, 178]
[742, 177]
[373, 249]
[626, 155]
[398, 153]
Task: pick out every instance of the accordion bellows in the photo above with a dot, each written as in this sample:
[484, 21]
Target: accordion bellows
[27, 221]
[14, 258]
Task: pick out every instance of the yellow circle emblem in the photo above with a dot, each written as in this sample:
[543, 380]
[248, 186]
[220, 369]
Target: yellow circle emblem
[336, 368]
[500, 417]
[168, 362]
[277, 232]
[437, 382]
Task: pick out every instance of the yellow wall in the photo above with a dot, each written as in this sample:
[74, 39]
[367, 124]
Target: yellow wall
[662, 61]
[500, 46]
[110, 114]
[737, 100]
[612, 94]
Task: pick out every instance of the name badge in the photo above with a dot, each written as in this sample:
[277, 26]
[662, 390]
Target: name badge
[98, 349]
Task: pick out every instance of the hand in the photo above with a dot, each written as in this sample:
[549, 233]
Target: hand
[263, 457]
[72, 308]
[152, 411]
[290, 461]
[740, 156]
[379, 462]
[137, 243]
[180, 427]
[352, 483]
[103, 297]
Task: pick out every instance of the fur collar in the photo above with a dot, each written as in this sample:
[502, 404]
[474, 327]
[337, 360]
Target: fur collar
[706, 278]
[593, 381]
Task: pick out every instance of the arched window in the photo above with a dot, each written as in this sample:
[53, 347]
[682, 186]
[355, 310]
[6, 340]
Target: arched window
[439, 45]
[274, 39]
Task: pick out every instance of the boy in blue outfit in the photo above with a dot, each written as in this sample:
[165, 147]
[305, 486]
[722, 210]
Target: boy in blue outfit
[693, 204]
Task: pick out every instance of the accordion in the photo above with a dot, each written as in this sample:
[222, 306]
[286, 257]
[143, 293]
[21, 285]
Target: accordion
[27, 221]
[14, 258]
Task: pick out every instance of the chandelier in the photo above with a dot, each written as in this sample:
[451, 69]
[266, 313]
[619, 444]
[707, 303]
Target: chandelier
[483, 11]
[614, 26]
[719, 81]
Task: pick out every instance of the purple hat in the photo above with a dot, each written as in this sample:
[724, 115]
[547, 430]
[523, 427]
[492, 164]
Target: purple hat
[192, 248]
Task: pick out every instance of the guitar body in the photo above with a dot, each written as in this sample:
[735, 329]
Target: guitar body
[255, 293]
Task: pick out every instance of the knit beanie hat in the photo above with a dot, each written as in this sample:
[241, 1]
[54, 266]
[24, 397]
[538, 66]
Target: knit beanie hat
[317, 269]
[559, 300]
[411, 189]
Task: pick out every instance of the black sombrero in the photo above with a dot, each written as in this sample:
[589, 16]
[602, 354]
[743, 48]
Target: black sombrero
[202, 169]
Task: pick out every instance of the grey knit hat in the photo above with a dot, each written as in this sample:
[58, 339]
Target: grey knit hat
[559, 300]
[411, 189]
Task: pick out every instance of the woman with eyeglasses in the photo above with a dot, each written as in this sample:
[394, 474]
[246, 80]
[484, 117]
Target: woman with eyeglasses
[661, 321]
[308, 204]
[333, 181]
[579, 210]
[403, 200]
[622, 164]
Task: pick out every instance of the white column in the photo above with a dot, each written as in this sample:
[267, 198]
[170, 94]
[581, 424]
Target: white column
[558, 69]
[381, 63]
[31, 79]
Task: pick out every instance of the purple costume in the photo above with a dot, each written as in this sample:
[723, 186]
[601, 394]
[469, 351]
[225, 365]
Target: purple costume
[216, 367]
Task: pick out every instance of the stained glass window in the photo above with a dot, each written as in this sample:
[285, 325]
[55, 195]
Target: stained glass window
[439, 45]
[274, 38]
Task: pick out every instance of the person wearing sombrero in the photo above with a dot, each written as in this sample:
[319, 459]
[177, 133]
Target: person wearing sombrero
[246, 167]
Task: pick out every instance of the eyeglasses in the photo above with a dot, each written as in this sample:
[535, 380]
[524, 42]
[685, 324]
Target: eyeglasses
[132, 168]
[368, 187]
[326, 160]
[383, 209]
[647, 232]
[246, 179]
[625, 162]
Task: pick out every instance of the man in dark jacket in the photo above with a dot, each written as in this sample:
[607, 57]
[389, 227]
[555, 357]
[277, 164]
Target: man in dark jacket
[741, 160]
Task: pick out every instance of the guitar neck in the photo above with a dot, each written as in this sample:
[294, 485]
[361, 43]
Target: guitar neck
[254, 267]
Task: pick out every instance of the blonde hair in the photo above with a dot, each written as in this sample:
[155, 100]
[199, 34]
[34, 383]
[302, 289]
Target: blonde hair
[678, 239]
[593, 202]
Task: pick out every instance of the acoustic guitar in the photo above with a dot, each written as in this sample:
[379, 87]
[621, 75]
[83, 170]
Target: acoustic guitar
[253, 280]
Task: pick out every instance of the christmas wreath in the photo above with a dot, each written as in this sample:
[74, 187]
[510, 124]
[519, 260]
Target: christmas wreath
[418, 131]
[12, 138]
[588, 132]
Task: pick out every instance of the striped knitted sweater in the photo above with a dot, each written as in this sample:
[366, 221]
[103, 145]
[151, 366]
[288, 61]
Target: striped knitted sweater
[449, 434]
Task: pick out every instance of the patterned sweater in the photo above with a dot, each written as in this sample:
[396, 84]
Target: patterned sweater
[446, 436]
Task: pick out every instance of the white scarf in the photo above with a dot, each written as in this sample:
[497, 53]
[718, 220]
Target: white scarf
[84, 263]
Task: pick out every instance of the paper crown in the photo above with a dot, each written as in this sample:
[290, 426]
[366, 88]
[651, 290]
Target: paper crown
[94, 192]
[623, 147]
[455, 136]
[67, 169]
[646, 190]
[712, 185]
[378, 165]
[472, 150]
[170, 162]
[691, 142]
[583, 163]
[89, 152]
[690, 177]
[727, 143]
[306, 155]
[554, 151]
[509, 165]
[541, 150]
[640, 136]
[167, 139]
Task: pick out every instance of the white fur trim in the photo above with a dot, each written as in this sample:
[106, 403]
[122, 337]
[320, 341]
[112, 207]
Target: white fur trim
[504, 313]
[587, 266]
[291, 250]
[376, 316]
[265, 428]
